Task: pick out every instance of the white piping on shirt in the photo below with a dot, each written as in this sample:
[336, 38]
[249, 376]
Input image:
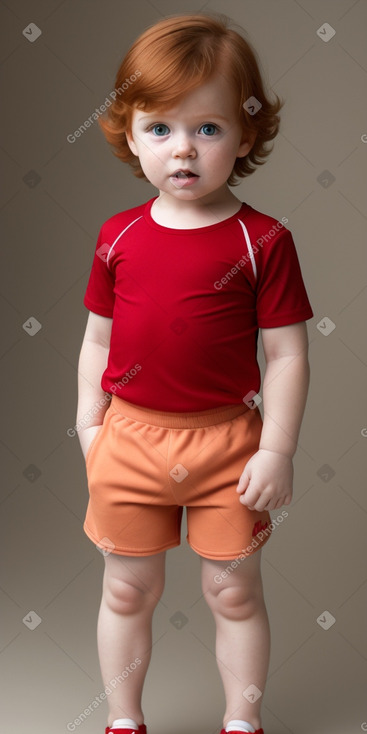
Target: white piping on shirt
[249, 247]
[244, 229]
[117, 238]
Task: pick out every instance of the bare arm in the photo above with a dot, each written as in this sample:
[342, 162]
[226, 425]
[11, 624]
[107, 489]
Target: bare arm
[266, 482]
[285, 386]
[92, 363]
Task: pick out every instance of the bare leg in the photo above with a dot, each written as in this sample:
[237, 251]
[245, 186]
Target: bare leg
[235, 597]
[132, 587]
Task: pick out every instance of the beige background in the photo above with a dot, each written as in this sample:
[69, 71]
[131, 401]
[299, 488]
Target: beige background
[54, 199]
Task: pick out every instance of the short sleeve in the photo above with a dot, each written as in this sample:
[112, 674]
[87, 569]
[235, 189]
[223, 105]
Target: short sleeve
[99, 296]
[281, 294]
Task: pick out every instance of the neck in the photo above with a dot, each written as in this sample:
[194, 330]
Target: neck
[220, 204]
[193, 214]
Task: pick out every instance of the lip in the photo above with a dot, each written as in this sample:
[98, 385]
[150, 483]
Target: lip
[188, 180]
[186, 171]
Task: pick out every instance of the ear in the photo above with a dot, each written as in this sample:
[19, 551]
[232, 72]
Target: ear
[247, 142]
[131, 143]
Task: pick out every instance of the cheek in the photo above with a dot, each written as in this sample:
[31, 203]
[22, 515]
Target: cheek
[224, 155]
[152, 155]
[131, 143]
[151, 163]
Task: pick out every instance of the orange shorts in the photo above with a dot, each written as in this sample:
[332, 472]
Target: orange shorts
[145, 466]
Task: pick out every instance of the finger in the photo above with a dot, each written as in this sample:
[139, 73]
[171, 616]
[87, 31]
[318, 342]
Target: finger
[249, 499]
[259, 507]
[263, 504]
[243, 483]
[266, 506]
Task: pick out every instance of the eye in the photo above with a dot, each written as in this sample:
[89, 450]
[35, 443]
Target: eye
[209, 129]
[159, 129]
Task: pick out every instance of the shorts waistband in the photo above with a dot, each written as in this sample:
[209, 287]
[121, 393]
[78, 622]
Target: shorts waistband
[167, 419]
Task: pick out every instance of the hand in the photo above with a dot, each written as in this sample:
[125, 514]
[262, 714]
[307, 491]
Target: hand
[266, 481]
[86, 436]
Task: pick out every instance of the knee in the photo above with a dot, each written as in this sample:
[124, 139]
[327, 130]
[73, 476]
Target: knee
[125, 598]
[235, 602]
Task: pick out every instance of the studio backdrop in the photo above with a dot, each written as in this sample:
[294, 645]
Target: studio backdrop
[61, 181]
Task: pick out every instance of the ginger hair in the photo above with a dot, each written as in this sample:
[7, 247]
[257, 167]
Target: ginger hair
[176, 55]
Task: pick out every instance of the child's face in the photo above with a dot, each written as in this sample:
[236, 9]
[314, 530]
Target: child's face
[201, 135]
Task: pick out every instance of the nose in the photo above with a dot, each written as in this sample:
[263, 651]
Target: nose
[183, 146]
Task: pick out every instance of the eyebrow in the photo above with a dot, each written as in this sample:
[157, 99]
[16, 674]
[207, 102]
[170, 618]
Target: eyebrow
[161, 115]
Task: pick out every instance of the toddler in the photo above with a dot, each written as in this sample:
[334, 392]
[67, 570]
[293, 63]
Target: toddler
[178, 290]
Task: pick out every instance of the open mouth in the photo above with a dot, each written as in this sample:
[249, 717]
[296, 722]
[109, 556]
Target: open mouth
[184, 174]
[183, 178]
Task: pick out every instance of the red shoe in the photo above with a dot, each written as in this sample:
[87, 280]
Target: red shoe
[258, 731]
[142, 730]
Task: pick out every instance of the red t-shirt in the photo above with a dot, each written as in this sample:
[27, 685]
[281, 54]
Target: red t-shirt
[187, 305]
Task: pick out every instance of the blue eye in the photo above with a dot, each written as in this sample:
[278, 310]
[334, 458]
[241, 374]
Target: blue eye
[209, 129]
[160, 129]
